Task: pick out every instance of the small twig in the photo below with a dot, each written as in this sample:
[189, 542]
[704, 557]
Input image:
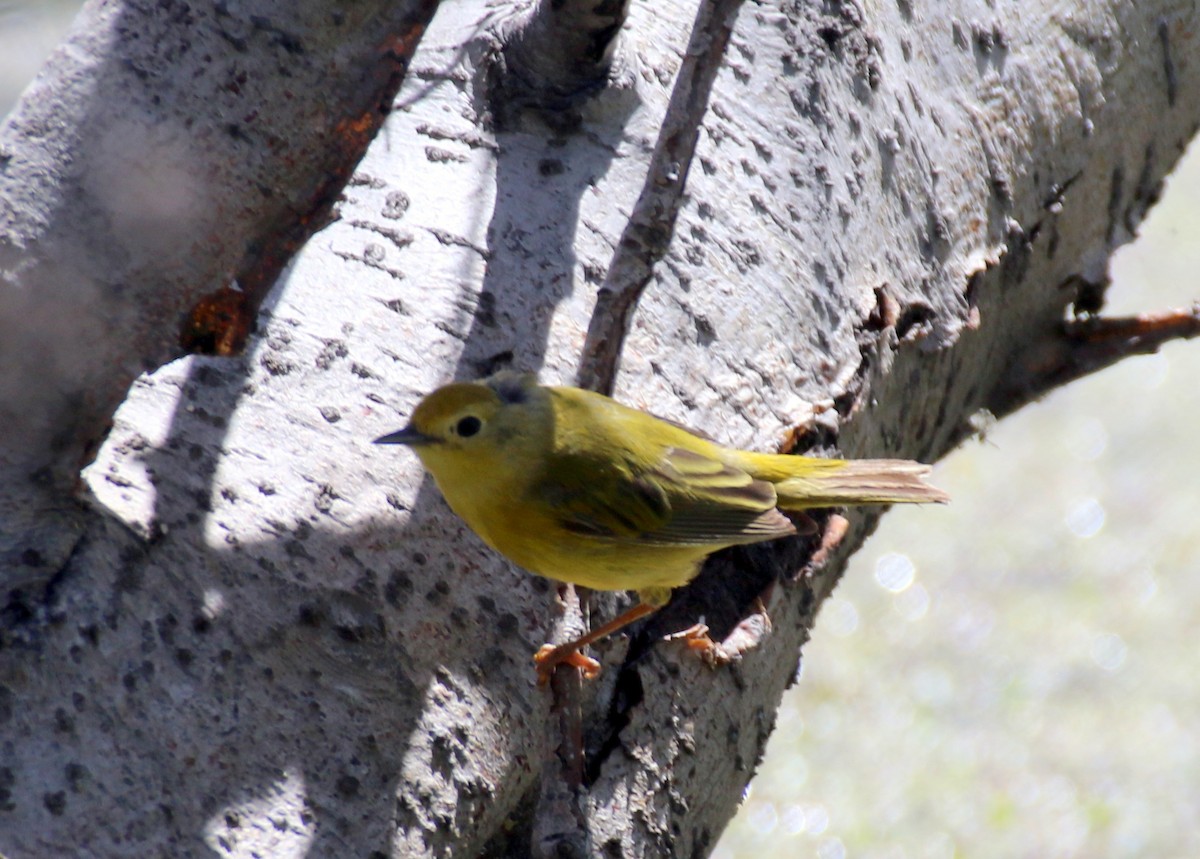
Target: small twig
[1092, 343]
[1100, 341]
[648, 233]
[559, 825]
[559, 819]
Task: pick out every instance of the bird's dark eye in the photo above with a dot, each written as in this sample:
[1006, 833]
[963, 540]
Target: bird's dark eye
[468, 426]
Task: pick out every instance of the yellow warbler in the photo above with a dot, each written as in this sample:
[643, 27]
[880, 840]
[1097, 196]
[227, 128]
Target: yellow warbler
[574, 486]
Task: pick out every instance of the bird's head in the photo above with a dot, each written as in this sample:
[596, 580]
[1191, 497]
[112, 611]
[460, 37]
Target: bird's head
[464, 419]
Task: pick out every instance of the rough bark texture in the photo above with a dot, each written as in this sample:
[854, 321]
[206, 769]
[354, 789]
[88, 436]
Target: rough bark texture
[272, 638]
[155, 178]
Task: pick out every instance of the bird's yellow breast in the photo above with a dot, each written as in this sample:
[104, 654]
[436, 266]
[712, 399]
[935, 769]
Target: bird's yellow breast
[503, 512]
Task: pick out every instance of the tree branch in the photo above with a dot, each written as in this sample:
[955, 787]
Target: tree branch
[652, 222]
[1089, 344]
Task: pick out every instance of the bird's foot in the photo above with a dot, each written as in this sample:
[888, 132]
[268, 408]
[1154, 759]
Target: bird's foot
[699, 642]
[550, 656]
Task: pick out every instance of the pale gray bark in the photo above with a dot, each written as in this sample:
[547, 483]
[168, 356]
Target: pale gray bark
[270, 636]
[166, 156]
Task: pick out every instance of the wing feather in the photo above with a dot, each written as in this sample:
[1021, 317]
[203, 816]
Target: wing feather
[687, 499]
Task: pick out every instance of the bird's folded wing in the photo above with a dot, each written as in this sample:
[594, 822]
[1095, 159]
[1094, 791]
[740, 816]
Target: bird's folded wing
[687, 499]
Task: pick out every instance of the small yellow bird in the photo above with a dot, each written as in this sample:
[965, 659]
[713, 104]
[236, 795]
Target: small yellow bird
[574, 486]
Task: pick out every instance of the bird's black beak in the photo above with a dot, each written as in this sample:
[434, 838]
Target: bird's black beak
[408, 436]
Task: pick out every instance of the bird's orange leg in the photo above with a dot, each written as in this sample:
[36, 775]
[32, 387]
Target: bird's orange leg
[550, 656]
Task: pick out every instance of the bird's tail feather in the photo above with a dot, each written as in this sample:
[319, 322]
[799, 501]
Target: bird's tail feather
[837, 482]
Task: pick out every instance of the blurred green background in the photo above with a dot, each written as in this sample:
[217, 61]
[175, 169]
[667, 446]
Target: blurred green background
[1015, 674]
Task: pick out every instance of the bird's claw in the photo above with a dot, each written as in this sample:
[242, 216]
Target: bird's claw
[698, 641]
[550, 657]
